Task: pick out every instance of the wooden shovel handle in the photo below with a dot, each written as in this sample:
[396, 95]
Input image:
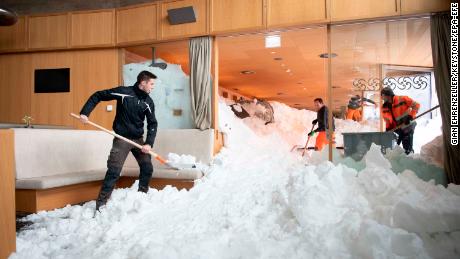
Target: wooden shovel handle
[157, 157]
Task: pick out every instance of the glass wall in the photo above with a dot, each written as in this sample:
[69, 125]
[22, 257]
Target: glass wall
[171, 95]
[281, 71]
[371, 55]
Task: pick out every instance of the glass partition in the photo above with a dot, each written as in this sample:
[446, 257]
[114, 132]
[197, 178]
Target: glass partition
[171, 95]
[275, 77]
[368, 56]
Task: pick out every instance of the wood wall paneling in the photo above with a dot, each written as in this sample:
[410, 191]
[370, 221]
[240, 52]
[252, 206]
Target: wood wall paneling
[51, 108]
[137, 24]
[424, 6]
[90, 70]
[236, 15]
[197, 28]
[7, 186]
[13, 37]
[26, 200]
[295, 12]
[15, 87]
[95, 70]
[360, 9]
[49, 199]
[90, 29]
[48, 32]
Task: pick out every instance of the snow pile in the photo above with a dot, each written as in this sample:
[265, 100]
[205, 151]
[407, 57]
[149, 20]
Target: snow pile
[432, 152]
[293, 125]
[425, 131]
[398, 160]
[261, 201]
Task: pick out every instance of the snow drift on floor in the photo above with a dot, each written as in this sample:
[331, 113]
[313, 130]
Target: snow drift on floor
[259, 200]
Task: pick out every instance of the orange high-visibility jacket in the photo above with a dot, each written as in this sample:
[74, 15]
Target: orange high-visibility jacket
[400, 108]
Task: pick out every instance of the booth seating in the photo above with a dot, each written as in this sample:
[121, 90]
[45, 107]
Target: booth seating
[56, 167]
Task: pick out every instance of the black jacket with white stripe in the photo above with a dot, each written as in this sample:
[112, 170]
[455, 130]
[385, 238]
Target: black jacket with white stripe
[133, 106]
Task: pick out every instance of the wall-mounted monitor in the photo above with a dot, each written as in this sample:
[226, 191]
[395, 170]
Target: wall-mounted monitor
[52, 80]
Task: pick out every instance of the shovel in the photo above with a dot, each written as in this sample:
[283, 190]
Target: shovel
[155, 155]
[418, 116]
[308, 140]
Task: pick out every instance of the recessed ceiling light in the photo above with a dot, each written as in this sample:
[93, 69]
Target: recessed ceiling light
[326, 55]
[272, 41]
[247, 72]
[273, 52]
[288, 70]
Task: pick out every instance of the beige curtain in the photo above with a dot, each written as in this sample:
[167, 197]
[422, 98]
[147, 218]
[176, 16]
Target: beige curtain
[200, 80]
[440, 43]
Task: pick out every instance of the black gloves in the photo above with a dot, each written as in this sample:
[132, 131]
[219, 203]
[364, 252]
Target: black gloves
[314, 122]
[407, 119]
[312, 133]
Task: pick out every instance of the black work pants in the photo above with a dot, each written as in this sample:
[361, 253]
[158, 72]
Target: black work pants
[118, 154]
[406, 137]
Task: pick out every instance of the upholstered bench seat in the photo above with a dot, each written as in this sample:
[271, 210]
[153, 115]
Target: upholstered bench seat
[46, 182]
[55, 167]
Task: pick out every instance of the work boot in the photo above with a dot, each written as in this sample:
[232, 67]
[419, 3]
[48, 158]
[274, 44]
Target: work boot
[146, 170]
[143, 189]
[102, 200]
[408, 151]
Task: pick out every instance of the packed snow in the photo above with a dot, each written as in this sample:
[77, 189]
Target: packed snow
[432, 152]
[259, 200]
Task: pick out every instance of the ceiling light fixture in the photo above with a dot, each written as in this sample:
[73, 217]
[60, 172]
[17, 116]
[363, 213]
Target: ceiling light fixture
[247, 72]
[272, 41]
[326, 55]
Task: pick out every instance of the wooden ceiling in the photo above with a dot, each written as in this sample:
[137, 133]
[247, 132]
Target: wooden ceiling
[360, 49]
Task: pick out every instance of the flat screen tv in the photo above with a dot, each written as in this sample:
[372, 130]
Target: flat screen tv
[52, 80]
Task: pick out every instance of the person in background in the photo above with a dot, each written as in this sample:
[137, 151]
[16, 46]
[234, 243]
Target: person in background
[355, 107]
[322, 120]
[134, 105]
[399, 113]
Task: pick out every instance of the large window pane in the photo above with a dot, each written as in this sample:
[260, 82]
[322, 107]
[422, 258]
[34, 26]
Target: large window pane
[171, 94]
[372, 55]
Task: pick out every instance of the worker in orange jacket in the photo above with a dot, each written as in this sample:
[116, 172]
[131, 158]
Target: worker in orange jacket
[321, 118]
[399, 113]
[355, 107]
